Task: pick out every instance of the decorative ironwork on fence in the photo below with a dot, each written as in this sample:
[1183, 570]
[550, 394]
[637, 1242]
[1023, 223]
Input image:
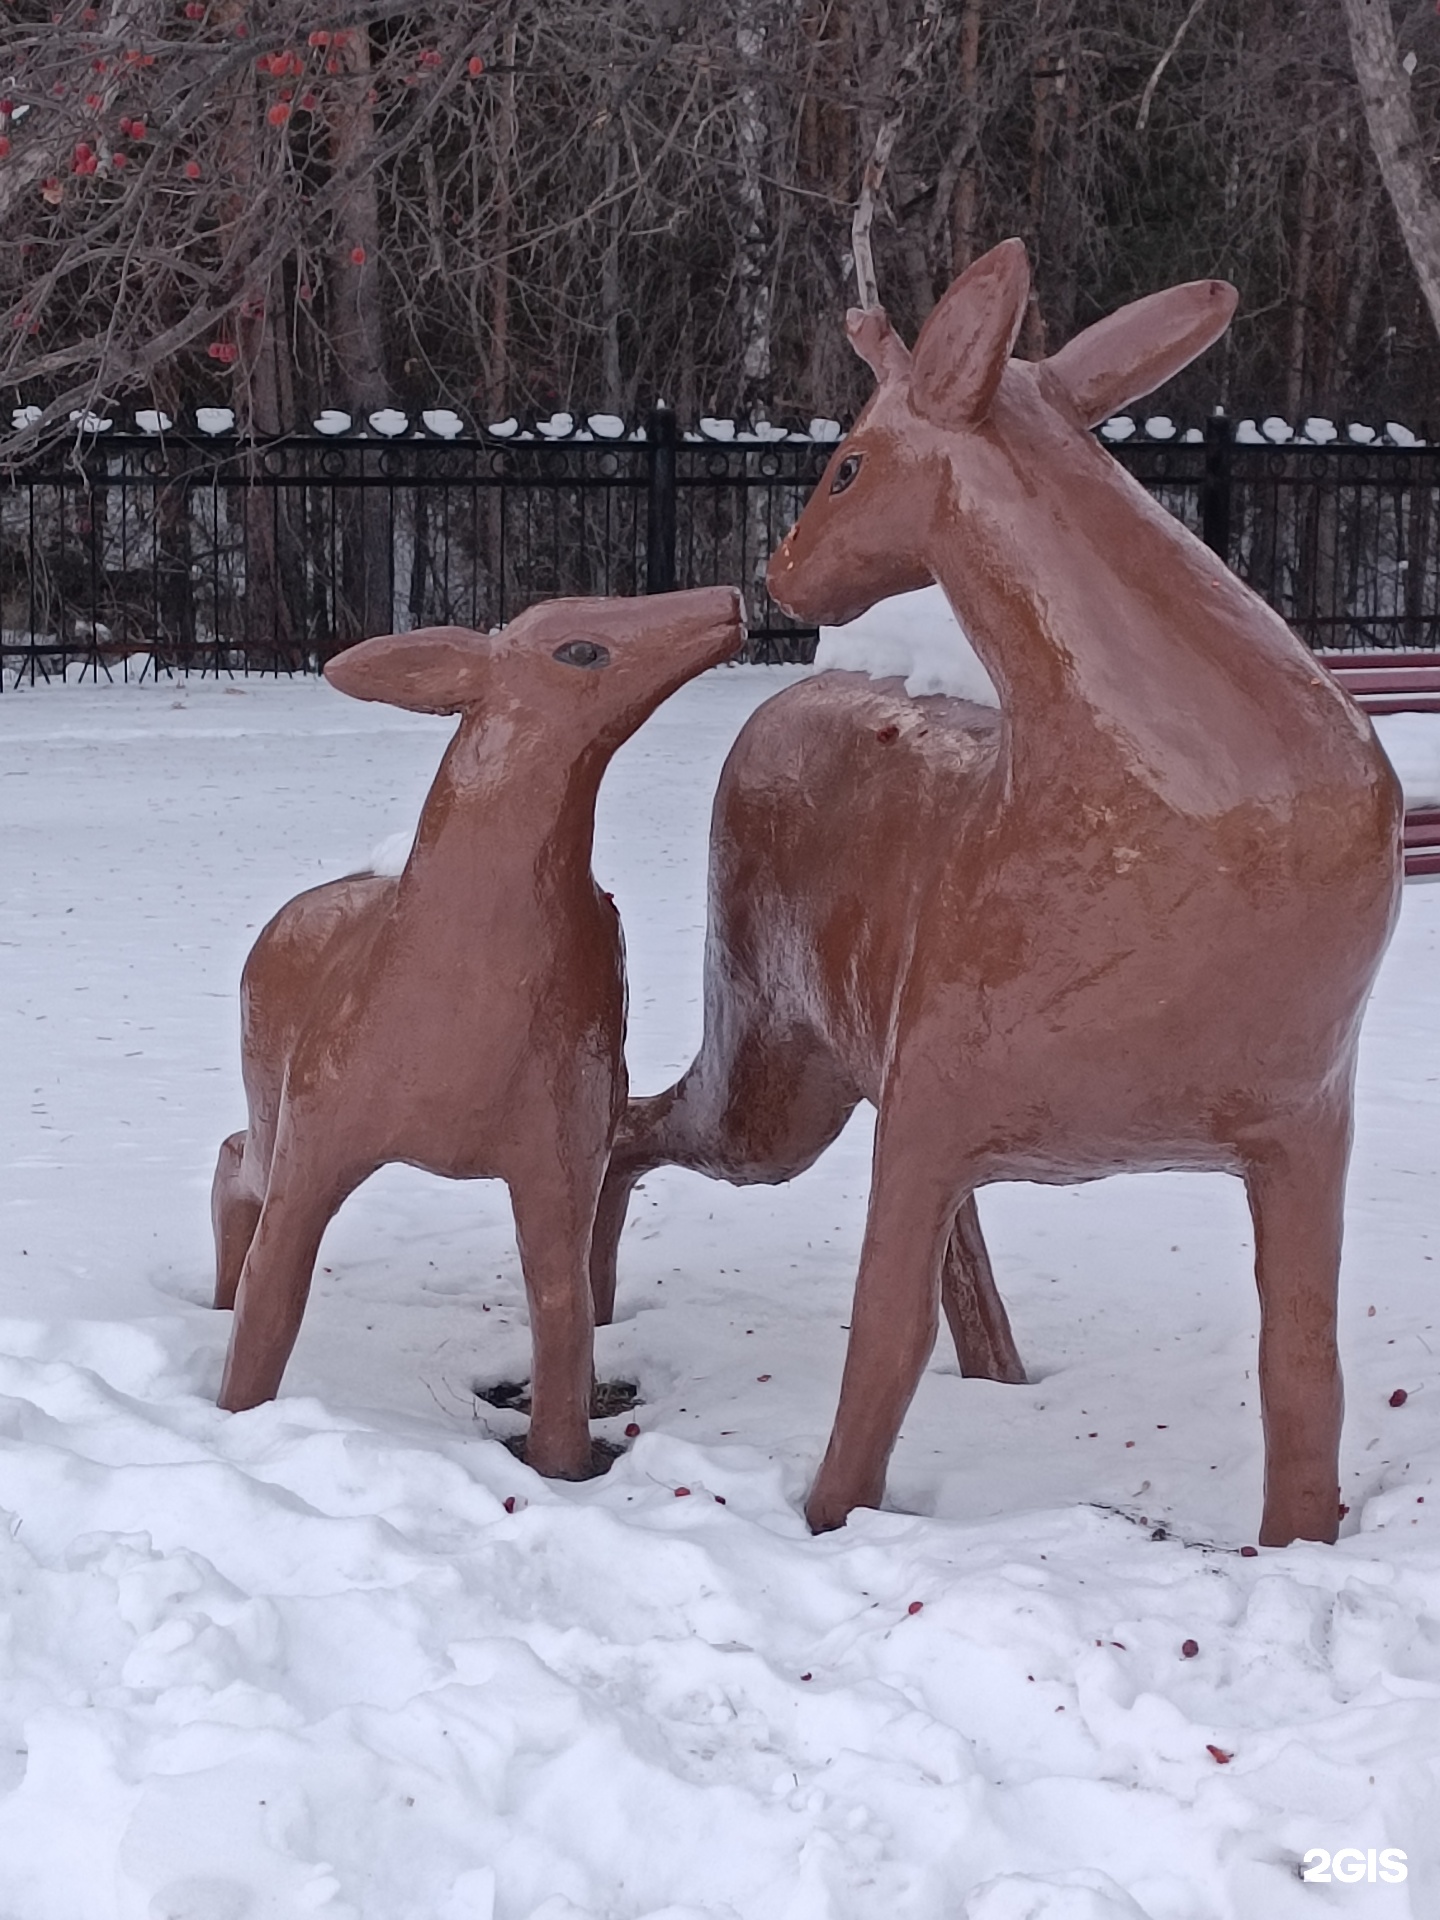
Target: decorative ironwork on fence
[1340, 537]
[136, 553]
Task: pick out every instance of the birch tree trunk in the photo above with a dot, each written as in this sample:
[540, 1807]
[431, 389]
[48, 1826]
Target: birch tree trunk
[918, 38]
[965, 198]
[752, 265]
[1296, 368]
[270, 596]
[357, 340]
[1390, 118]
[505, 134]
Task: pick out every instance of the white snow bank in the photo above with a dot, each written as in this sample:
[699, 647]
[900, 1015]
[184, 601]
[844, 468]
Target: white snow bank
[303, 1661]
[914, 637]
[389, 855]
[1412, 742]
[295, 1661]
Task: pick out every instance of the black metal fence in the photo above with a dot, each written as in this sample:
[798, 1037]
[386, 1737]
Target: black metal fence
[144, 553]
[1342, 539]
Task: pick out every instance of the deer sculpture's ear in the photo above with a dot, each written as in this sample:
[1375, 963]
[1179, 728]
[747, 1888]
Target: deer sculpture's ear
[1130, 353]
[964, 345]
[433, 670]
[877, 343]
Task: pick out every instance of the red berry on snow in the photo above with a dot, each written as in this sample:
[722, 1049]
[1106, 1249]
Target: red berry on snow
[1190, 1649]
[1399, 1397]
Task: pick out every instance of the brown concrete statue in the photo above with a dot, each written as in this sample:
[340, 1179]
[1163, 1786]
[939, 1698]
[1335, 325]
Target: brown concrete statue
[1128, 922]
[468, 1015]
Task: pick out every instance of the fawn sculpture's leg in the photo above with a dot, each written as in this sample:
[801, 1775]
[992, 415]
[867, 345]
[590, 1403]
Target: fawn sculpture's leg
[299, 1204]
[554, 1201]
[610, 1214]
[892, 1324]
[1296, 1186]
[979, 1324]
[234, 1210]
[754, 1108]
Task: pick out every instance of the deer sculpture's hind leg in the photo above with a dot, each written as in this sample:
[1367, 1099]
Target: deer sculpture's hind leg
[234, 1210]
[756, 1109]
[1296, 1186]
[979, 1324]
[893, 1322]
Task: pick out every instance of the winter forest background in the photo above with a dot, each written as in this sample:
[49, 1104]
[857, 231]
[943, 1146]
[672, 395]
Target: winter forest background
[503, 208]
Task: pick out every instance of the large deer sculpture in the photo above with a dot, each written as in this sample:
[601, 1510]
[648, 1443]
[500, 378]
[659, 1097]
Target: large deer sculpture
[466, 1016]
[1128, 922]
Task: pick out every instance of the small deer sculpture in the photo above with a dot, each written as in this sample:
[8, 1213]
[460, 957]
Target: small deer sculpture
[1128, 922]
[468, 1015]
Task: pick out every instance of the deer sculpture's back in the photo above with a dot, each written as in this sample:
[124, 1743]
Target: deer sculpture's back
[1131, 923]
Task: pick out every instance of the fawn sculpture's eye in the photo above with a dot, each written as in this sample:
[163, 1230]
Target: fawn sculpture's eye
[845, 472]
[583, 653]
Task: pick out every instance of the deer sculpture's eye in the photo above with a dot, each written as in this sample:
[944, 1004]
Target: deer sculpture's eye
[845, 472]
[583, 653]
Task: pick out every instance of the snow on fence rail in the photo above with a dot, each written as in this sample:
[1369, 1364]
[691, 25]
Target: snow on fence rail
[159, 546]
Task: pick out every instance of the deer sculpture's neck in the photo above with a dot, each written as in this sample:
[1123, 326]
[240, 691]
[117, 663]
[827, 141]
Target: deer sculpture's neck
[508, 825]
[1117, 640]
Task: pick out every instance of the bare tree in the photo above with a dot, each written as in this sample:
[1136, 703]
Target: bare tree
[513, 207]
[1384, 78]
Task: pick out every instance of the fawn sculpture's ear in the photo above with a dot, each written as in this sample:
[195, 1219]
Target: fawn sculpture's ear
[877, 343]
[433, 670]
[1130, 353]
[964, 345]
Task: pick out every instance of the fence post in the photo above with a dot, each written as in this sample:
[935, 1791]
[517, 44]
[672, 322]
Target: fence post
[1215, 487]
[660, 438]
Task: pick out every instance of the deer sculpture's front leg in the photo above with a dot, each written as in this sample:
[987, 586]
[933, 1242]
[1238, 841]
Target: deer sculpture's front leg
[554, 1197]
[303, 1193]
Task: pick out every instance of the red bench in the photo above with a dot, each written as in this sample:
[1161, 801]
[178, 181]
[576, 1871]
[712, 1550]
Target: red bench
[1398, 683]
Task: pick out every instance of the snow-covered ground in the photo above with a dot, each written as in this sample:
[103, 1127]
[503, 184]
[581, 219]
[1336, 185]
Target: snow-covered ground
[306, 1660]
